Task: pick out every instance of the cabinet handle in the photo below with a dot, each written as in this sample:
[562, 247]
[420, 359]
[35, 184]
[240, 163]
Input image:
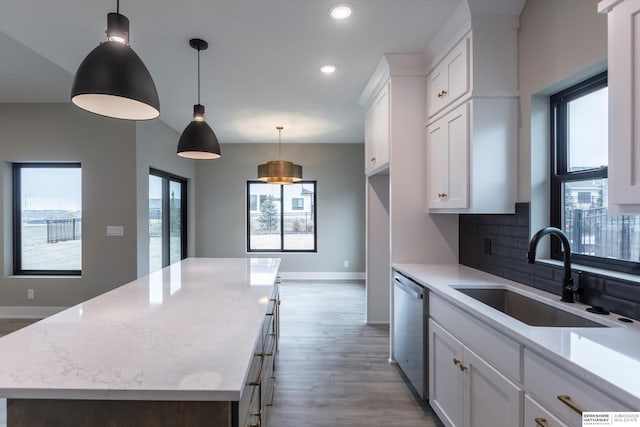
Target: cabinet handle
[567, 401]
[442, 93]
[373, 159]
[442, 195]
[463, 368]
[541, 422]
[456, 361]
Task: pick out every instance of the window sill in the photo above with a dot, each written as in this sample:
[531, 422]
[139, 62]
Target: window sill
[599, 271]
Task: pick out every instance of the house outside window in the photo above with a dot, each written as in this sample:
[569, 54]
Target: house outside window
[285, 220]
[297, 204]
[47, 218]
[579, 149]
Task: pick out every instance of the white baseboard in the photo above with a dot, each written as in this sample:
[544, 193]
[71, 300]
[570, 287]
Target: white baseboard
[321, 275]
[18, 312]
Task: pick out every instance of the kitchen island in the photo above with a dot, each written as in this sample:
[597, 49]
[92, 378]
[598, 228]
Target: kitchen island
[190, 345]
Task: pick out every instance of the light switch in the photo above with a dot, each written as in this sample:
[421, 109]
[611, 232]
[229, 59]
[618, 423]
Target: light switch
[115, 230]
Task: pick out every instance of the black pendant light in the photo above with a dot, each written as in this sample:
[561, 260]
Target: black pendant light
[198, 140]
[112, 80]
[279, 172]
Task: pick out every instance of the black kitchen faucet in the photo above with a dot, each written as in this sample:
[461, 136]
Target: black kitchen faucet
[568, 291]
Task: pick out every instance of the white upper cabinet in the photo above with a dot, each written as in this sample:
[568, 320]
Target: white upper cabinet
[447, 152]
[450, 79]
[376, 133]
[471, 138]
[624, 104]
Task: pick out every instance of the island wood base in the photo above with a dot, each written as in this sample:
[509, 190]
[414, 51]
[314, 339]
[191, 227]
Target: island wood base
[119, 413]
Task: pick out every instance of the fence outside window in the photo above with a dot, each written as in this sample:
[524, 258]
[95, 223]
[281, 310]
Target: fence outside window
[61, 230]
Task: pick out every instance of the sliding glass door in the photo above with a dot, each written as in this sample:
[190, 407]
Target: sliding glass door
[167, 219]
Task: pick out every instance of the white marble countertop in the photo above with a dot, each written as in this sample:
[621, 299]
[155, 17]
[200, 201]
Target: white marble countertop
[186, 332]
[608, 358]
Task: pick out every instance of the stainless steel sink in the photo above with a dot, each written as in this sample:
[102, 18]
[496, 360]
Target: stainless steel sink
[528, 310]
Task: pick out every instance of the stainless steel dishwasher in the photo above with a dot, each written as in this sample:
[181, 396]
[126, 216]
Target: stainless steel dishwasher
[410, 341]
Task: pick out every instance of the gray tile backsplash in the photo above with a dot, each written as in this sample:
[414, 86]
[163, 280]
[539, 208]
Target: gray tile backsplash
[498, 244]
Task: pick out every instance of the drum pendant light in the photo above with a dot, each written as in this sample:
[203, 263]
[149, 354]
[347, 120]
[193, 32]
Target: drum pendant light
[112, 80]
[280, 172]
[198, 140]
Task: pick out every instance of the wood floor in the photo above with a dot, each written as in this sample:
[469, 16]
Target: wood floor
[332, 369]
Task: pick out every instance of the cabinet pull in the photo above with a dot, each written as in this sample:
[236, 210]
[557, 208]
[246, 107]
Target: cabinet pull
[456, 361]
[540, 422]
[373, 159]
[442, 195]
[463, 368]
[442, 93]
[567, 401]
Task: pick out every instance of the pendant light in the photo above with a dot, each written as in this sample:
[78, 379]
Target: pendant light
[112, 80]
[280, 172]
[198, 140]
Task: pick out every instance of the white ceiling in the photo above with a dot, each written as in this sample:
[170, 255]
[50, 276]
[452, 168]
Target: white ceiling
[261, 68]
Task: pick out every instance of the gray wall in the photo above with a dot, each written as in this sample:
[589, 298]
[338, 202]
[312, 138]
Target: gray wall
[559, 43]
[106, 148]
[156, 145]
[339, 170]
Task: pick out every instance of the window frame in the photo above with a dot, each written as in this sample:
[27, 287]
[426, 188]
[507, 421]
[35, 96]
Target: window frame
[167, 177]
[282, 234]
[559, 173]
[17, 217]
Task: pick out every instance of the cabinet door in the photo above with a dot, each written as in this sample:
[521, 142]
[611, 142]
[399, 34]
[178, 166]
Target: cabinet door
[450, 79]
[382, 126]
[448, 160]
[624, 107]
[377, 128]
[436, 84]
[446, 384]
[492, 400]
[537, 416]
[458, 74]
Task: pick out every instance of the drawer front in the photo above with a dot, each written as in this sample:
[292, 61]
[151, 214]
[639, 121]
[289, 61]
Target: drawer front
[494, 347]
[536, 416]
[562, 393]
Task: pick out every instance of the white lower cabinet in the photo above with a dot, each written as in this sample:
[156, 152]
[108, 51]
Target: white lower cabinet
[561, 393]
[535, 415]
[465, 390]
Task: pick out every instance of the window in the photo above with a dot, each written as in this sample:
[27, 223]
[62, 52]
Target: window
[274, 227]
[584, 197]
[297, 204]
[579, 142]
[167, 219]
[47, 218]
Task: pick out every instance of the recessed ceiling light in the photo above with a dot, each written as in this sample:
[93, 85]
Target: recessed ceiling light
[340, 11]
[328, 69]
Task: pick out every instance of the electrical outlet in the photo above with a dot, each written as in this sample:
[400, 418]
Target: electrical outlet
[31, 294]
[346, 264]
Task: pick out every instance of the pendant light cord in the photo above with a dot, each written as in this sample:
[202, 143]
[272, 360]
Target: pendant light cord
[279, 144]
[117, 6]
[198, 76]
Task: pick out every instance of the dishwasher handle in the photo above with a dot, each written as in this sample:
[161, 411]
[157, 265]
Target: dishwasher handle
[413, 289]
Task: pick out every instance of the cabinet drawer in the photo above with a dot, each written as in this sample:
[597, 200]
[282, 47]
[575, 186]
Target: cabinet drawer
[536, 416]
[549, 384]
[494, 347]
